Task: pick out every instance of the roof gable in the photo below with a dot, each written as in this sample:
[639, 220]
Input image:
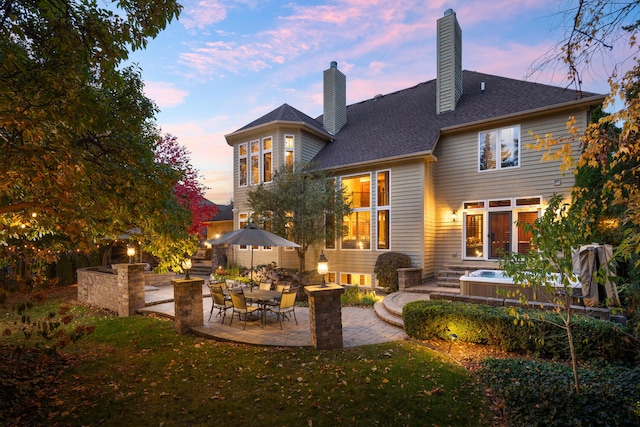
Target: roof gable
[284, 113]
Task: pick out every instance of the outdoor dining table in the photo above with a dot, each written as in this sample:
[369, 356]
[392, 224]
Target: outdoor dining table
[263, 298]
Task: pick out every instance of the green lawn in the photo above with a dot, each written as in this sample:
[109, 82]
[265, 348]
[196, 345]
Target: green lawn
[138, 371]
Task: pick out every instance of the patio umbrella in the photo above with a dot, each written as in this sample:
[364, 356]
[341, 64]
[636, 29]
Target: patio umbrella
[252, 235]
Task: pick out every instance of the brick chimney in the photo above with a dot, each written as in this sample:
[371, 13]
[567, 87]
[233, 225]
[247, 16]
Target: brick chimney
[449, 74]
[335, 99]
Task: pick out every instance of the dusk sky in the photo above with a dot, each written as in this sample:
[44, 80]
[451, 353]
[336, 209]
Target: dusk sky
[225, 63]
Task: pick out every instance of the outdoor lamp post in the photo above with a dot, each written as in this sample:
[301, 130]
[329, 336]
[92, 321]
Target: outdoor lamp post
[186, 266]
[131, 252]
[323, 268]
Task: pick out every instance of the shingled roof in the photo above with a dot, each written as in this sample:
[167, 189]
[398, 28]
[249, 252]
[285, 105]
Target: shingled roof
[285, 113]
[405, 122]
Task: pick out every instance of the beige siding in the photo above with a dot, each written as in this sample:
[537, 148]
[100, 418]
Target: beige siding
[306, 147]
[429, 220]
[407, 222]
[310, 147]
[458, 179]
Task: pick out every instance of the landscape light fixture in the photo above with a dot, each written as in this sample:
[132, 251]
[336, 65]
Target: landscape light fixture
[131, 252]
[323, 268]
[453, 338]
[186, 266]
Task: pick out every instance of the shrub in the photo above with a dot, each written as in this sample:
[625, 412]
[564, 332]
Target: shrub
[354, 296]
[482, 324]
[387, 266]
[64, 270]
[537, 393]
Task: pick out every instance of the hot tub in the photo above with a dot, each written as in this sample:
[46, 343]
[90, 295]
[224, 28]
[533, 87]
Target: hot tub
[487, 283]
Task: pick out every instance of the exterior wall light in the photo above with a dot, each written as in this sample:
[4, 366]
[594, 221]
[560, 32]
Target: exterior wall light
[186, 266]
[323, 268]
[454, 215]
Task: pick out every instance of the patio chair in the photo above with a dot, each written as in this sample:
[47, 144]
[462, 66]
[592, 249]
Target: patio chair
[219, 302]
[281, 287]
[240, 306]
[265, 286]
[286, 306]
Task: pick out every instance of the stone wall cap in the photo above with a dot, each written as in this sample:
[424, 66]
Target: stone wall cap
[183, 281]
[331, 287]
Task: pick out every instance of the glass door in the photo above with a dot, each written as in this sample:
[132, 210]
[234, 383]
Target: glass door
[499, 233]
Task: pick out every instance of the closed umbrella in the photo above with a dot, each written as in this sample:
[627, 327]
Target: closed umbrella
[252, 235]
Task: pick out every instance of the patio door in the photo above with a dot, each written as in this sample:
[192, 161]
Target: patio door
[499, 233]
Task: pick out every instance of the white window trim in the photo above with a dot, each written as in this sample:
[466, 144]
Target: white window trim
[246, 157]
[292, 149]
[369, 209]
[513, 208]
[499, 161]
[384, 208]
[262, 153]
[251, 156]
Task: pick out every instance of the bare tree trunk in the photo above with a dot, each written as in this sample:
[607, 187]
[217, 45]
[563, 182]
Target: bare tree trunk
[572, 350]
[301, 253]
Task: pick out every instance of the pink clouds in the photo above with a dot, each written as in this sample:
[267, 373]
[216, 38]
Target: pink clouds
[203, 14]
[164, 94]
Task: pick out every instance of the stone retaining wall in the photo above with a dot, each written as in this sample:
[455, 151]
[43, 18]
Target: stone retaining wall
[408, 277]
[121, 290]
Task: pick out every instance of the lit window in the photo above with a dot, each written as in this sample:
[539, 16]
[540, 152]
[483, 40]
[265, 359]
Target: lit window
[242, 164]
[357, 226]
[355, 279]
[255, 162]
[266, 160]
[383, 210]
[242, 223]
[289, 153]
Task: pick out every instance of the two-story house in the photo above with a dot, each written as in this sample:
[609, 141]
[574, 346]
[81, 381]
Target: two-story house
[439, 171]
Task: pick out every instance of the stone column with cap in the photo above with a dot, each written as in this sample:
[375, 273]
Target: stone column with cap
[325, 316]
[187, 296]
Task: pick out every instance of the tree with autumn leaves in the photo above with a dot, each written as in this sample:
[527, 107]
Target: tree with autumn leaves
[77, 134]
[608, 167]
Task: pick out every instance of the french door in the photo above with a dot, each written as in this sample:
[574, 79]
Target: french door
[500, 225]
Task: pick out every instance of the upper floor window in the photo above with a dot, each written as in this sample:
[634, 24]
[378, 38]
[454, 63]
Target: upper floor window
[499, 148]
[255, 162]
[289, 153]
[266, 159]
[242, 164]
[383, 206]
[357, 225]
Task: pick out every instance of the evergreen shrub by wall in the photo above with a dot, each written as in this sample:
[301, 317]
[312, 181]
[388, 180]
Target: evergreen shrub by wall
[495, 326]
[386, 269]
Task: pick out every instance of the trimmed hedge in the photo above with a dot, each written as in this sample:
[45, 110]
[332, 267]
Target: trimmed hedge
[386, 269]
[495, 326]
[542, 393]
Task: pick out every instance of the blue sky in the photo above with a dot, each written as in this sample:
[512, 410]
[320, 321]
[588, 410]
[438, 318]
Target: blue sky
[225, 63]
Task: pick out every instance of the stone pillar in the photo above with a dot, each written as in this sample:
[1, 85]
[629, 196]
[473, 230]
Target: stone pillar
[187, 296]
[408, 277]
[325, 316]
[130, 288]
